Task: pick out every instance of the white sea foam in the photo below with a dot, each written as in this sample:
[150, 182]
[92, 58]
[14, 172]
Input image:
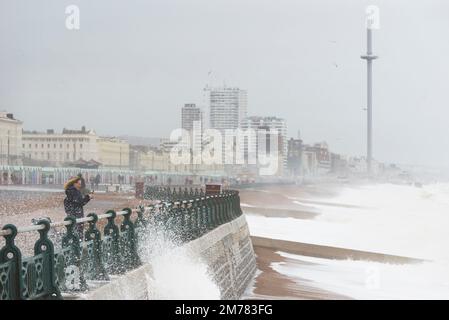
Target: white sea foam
[246, 205]
[177, 272]
[368, 280]
[395, 219]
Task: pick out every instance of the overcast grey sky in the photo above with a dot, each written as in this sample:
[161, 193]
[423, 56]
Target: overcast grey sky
[133, 64]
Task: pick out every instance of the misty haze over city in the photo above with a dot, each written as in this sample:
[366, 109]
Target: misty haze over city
[249, 150]
[130, 64]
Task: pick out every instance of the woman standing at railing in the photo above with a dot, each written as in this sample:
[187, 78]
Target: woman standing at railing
[75, 201]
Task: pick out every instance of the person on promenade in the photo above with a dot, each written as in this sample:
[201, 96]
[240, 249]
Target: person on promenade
[92, 182]
[75, 201]
[84, 190]
[97, 180]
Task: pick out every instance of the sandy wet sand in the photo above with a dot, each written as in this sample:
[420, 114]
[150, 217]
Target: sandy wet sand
[270, 284]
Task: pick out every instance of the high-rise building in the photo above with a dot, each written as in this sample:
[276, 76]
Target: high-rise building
[294, 156]
[268, 124]
[10, 139]
[227, 107]
[190, 114]
[192, 121]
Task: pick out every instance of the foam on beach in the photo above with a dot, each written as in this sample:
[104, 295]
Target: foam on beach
[385, 218]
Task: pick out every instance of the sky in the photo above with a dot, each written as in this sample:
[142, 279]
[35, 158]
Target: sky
[133, 64]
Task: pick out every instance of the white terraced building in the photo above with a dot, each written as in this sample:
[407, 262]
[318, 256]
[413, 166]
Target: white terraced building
[10, 139]
[59, 148]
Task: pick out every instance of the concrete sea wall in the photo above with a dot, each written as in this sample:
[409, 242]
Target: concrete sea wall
[227, 251]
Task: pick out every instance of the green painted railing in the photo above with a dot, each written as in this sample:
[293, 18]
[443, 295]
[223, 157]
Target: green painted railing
[50, 271]
[172, 193]
[176, 193]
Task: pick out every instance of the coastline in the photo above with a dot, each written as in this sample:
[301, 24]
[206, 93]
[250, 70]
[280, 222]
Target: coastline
[298, 269]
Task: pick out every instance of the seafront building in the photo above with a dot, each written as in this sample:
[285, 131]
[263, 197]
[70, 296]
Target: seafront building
[192, 121]
[10, 139]
[71, 147]
[190, 114]
[294, 156]
[316, 159]
[85, 149]
[113, 152]
[56, 149]
[146, 158]
[227, 107]
[251, 147]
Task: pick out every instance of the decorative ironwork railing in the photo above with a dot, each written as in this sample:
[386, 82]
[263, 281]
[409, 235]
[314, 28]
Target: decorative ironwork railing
[51, 271]
[176, 193]
[173, 193]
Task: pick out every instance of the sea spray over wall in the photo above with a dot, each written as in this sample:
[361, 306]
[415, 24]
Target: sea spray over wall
[177, 272]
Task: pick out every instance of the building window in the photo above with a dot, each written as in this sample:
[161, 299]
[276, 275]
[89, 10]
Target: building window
[81, 145]
[54, 146]
[23, 145]
[30, 145]
[60, 145]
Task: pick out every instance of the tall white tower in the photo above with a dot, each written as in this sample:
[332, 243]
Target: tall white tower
[369, 57]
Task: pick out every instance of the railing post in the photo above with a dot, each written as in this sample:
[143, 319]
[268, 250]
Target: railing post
[185, 233]
[96, 267]
[233, 206]
[45, 247]
[110, 248]
[216, 210]
[219, 209]
[210, 213]
[227, 200]
[177, 223]
[74, 268]
[202, 225]
[191, 219]
[140, 221]
[197, 219]
[238, 207]
[10, 267]
[206, 216]
[169, 220]
[224, 207]
[128, 242]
